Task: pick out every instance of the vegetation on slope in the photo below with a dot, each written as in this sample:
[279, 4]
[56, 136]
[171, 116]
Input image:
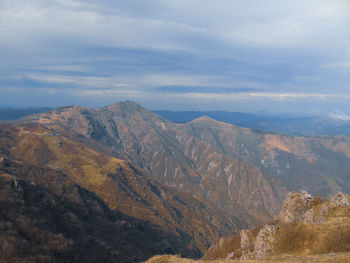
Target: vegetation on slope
[325, 258]
[188, 225]
[306, 225]
[38, 224]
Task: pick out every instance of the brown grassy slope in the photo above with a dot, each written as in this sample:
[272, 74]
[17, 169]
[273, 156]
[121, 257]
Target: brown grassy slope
[192, 224]
[37, 224]
[325, 258]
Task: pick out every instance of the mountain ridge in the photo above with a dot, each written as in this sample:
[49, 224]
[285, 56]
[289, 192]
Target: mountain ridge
[162, 147]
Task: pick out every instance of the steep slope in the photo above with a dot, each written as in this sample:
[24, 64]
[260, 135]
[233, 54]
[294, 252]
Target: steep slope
[189, 225]
[63, 222]
[318, 164]
[174, 155]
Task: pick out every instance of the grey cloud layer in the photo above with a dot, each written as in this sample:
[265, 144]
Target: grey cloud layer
[234, 55]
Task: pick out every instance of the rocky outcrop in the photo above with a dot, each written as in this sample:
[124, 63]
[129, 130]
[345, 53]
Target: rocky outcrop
[298, 209]
[339, 199]
[247, 242]
[294, 207]
[264, 246]
[317, 214]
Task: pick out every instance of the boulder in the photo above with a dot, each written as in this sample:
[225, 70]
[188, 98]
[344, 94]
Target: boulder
[265, 242]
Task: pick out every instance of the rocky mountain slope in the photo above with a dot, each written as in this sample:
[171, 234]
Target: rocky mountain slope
[247, 172]
[282, 123]
[318, 164]
[175, 155]
[49, 160]
[306, 225]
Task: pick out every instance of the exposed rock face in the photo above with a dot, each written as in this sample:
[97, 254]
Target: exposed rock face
[339, 199]
[247, 242]
[294, 207]
[265, 242]
[317, 215]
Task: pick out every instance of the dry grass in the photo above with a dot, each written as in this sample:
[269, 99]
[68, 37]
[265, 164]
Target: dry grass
[303, 239]
[227, 246]
[293, 238]
[325, 258]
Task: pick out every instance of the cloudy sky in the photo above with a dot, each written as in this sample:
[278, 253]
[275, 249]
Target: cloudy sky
[251, 55]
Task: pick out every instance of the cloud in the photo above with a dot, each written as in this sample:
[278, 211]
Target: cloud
[250, 50]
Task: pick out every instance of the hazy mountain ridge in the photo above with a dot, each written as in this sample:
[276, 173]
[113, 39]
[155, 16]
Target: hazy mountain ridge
[298, 126]
[7, 114]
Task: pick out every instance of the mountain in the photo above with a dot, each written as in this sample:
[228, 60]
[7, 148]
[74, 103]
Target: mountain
[192, 182]
[7, 114]
[245, 171]
[52, 163]
[174, 155]
[318, 164]
[298, 126]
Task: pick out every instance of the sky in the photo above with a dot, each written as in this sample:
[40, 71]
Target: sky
[251, 56]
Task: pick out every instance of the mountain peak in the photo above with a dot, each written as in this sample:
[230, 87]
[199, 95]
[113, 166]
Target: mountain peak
[127, 106]
[203, 118]
[206, 119]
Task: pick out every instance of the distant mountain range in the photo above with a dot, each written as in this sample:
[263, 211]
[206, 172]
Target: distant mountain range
[185, 184]
[300, 126]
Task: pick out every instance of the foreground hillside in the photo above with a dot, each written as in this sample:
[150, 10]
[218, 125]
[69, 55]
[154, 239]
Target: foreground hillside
[307, 228]
[305, 225]
[325, 258]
